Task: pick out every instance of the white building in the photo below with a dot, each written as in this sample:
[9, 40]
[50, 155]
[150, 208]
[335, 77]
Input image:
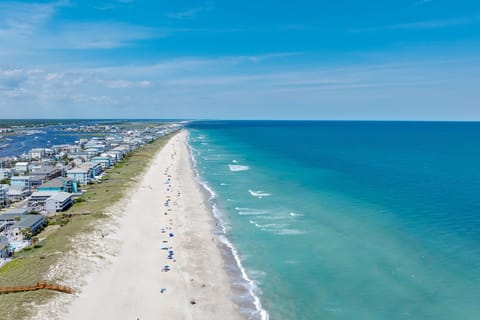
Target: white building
[21, 167]
[59, 202]
[40, 197]
[21, 182]
[37, 153]
[95, 168]
[81, 175]
[18, 195]
[105, 162]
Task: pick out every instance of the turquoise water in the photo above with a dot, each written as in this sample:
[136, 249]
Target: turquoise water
[350, 220]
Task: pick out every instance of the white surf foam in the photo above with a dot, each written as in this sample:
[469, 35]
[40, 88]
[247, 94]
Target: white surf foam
[236, 167]
[286, 232]
[252, 287]
[250, 211]
[272, 225]
[294, 214]
[259, 194]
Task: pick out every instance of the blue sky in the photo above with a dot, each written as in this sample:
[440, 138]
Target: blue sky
[410, 59]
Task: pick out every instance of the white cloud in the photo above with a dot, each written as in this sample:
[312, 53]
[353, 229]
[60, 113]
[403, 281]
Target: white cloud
[96, 36]
[211, 87]
[428, 24]
[192, 12]
[23, 19]
[27, 26]
[124, 84]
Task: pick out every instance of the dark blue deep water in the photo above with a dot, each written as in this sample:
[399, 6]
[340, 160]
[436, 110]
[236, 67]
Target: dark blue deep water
[350, 220]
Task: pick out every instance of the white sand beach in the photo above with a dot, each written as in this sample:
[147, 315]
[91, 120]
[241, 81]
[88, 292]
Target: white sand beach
[135, 284]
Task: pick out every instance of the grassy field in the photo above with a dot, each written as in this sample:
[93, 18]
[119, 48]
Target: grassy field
[29, 266]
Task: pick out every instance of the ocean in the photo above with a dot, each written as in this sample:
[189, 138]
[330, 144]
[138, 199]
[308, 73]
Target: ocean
[349, 220]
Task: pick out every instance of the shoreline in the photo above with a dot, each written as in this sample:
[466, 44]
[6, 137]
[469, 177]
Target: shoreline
[243, 287]
[130, 284]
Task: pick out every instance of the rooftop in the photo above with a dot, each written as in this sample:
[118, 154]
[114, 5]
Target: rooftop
[20, 178]
[10, 217]
[44, 194]
[18, 210]
[15, 192]
[28, 221]
[44, 170]
[61, 196]
[78, 170]
[55, 183]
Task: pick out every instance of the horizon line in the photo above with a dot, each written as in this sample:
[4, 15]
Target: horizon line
[243, 120]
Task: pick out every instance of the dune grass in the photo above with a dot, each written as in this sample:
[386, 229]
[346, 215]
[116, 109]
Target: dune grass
[30, 266]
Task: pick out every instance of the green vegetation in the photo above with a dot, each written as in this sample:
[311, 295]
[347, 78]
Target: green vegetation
[30, 266]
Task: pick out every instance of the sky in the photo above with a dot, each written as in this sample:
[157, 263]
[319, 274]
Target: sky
[263, 59]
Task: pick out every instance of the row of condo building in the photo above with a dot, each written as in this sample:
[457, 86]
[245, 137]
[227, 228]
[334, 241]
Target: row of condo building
[63, 168]
[47, 180]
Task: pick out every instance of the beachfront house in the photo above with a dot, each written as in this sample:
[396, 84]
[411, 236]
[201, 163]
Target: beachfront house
[95, 168]
[60, 184]
[61, 201]
[32, 223]
[21, 167]
[114, 158]
[147, 139]
[81, 175]
[3, 195]
[40, 197]
[124, 148]
[118, 154]
[19, 225]
[20, 182]
[105, 162]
